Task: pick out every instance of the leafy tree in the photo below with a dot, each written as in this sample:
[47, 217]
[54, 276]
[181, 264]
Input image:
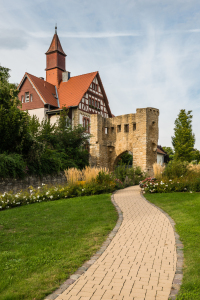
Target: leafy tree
[196, 156]
[14, 128]
[169, 152]
[183, 139]
[126, 158]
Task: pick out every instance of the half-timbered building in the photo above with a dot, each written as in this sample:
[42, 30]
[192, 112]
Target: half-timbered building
[82, 95]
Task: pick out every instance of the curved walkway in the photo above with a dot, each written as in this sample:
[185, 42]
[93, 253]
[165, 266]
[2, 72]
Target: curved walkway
[140, 261]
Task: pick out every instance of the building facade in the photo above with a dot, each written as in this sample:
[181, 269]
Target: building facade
[85, 98]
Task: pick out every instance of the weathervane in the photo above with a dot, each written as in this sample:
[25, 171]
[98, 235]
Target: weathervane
[56, 28]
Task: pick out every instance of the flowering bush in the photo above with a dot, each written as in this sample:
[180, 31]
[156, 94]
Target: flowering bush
[152, 185]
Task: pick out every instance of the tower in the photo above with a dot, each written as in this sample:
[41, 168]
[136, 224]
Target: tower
[55, 61]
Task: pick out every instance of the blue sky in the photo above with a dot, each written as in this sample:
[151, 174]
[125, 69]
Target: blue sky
[146, 51]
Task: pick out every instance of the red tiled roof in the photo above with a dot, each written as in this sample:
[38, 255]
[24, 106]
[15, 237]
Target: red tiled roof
[45, 89]
[71, 92]
[55, 45]
[160, 151]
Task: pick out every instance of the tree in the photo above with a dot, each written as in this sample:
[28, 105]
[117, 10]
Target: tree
[14, 128]
[169, 152]
[183, 139]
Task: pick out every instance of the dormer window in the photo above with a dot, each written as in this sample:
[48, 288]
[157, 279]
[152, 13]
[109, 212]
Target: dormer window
[22, 99]
[27, 97]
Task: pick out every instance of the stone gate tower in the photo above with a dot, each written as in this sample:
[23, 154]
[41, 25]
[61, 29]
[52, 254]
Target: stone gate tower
[137, 133]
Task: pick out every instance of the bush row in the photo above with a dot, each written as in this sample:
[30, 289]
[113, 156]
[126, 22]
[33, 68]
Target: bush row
[103, 183]
[177, 177]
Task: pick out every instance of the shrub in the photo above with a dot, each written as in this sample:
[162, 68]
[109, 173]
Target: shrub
[129, 176]
[12, 166]
[176, 169]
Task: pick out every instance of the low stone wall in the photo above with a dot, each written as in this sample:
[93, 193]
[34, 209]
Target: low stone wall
[16, 185]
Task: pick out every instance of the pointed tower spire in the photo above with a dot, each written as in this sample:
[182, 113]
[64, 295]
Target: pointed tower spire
[55, 61]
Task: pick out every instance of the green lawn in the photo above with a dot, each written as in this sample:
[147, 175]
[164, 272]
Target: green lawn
[42, 244]
[184, 208]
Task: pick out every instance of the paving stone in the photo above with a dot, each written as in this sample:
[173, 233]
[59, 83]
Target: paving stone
[138, 260]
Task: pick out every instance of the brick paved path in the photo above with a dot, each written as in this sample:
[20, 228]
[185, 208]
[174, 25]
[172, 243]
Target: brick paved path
[139, 263]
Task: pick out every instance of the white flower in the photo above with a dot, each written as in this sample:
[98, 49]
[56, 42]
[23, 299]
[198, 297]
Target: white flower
[82, 190]
[170, 179]
[51, 197]
[16, 196]
[27, 202]
[38, 197]
[24, 197]
[191, 192]
[47, 193]
[31, 191]
[166, 185]
[43, 198]
[43, 183]
[0, 207]
[18, 203]
[38, 187]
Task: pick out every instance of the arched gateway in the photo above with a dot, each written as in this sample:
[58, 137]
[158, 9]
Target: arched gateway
[137, 133]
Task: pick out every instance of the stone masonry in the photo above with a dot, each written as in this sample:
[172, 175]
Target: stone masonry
[137, 133]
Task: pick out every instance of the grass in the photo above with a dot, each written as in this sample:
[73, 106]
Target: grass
[42, 244]
[184, 208]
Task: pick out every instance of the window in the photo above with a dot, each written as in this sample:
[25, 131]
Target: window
[86, 124]
[96, 103]
[134, 126]
[27, 97]
[89, 101]
[92, 102]
[22, 99]
[126, 127]
[112, 129]
[118, 128]
[31, 97]
[94, 86]
[106, 130]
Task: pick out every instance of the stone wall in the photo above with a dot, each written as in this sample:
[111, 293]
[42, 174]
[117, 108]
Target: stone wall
[16, 185]
[137, 133]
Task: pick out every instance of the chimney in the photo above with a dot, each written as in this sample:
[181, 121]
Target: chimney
[65, 76]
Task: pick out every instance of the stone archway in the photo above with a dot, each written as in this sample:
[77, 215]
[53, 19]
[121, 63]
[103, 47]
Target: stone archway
[126, 157]
[138, 133]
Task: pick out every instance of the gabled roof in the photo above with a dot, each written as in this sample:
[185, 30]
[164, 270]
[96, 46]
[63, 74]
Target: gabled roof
[45, 90]
[159, 151]
[70, 93]
[55, 45]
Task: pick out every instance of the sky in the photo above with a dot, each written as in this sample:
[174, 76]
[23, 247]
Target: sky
[147, 52]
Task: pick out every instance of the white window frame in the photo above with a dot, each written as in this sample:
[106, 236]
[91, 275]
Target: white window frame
[26, 97]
